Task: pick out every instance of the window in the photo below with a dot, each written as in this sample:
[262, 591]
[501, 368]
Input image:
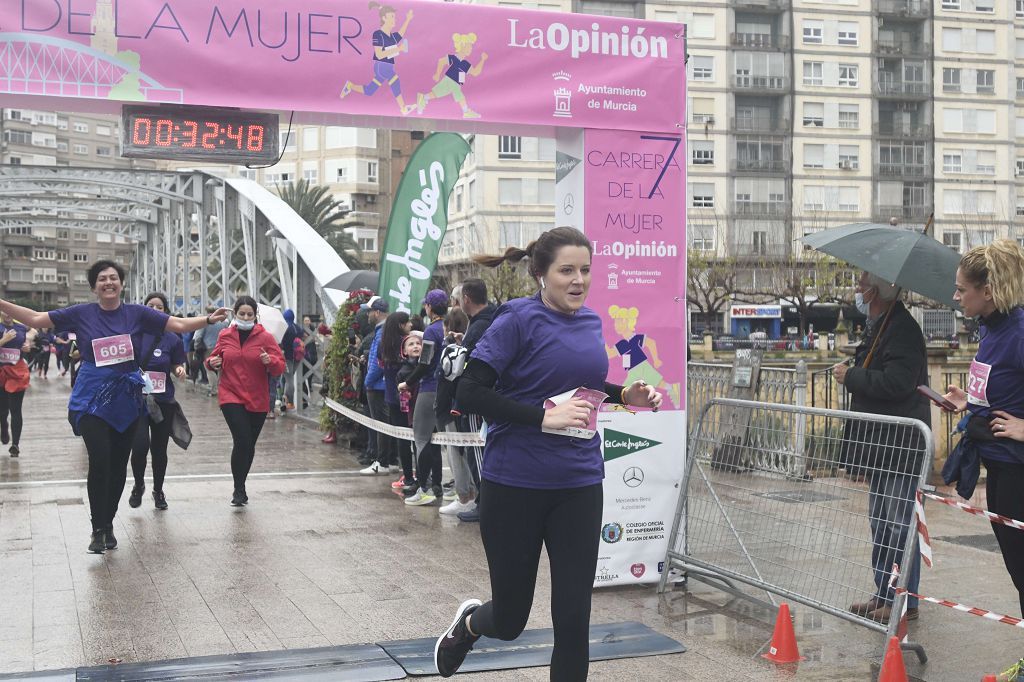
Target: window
[1020, 168]
[279, 178]
[247, 173]
[702, 237]
[62, 256]
[950, 80]
[849, 199]
[814, 156]
[17, 137]
[62, 278]
[952, 39]
[702, 26]
[849, 157]
[63, 234]
[62, 146]
[848, 75]
[848, 33]
[953, 240]
[81, 278]
[702, 110]
[986, 162]
[703, 195]
[813, 32]
[367, 244]
[760, 242]
[62, 124]
[985, 42]
[969, 121]
[814, 114]
[310, 138]
[81, 127]
[703, 68]
[342, 174]
[1020, 9]
[1020, 87]
[812, 73]
[311, 175]
[81, 149]
[702, 152]
[986, 6]
[546, 192]
[951, 5]
[103, 130]
[371, 172]
[287, 140]
[986, 81]
[510, 147]
[104, 151]
[80, 236]
[952, 161]
[510, 191]
[471, 193]
[81, 258]
[849, 116]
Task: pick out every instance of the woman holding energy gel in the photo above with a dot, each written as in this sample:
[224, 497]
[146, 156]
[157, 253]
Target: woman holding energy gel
[539, 489]
[107, 400]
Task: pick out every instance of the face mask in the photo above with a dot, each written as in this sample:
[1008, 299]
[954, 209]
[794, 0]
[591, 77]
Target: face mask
[245, 325]
[862, 307]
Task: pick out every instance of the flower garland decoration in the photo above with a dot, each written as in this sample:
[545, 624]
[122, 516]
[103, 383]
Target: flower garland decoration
[338, 362]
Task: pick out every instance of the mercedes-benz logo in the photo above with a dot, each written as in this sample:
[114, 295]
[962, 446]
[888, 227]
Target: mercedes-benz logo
[633, 477]
[568, 204]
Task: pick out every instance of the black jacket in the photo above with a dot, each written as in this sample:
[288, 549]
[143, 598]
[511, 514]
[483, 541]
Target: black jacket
[445, 401]
[888, 386]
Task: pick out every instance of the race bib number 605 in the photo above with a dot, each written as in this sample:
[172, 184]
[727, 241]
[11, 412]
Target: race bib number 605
[113, 350]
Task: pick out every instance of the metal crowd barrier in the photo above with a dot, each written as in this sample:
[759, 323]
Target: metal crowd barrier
[741, 520]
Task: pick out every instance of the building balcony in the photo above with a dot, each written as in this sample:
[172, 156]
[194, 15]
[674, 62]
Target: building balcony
[760, 165]
[902, 170]
[762, 5]
[19, 239]
[770, 84]
[884, 212]
[33, 287]
[752, 250]
[902, 46]
[756, 209]
[911, 9]
[765, 41]
[907, 89]
[902, 130]
[758, 125]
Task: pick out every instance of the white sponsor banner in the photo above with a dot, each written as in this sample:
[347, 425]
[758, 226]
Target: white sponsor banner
[644, 461]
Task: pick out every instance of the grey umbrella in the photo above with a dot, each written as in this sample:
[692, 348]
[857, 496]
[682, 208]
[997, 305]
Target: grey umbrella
[905, 257]
[355, 279]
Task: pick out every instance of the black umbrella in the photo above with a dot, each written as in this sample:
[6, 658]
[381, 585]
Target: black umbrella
[354, 280]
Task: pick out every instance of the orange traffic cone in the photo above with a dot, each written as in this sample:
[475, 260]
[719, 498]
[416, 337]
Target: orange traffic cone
[990, 678]
[893, 669]
[783, 648]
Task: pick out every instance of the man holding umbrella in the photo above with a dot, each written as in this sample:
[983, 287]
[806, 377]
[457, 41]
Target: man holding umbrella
[890, 363]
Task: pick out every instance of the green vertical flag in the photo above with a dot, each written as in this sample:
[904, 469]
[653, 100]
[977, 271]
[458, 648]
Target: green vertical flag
[419, 219]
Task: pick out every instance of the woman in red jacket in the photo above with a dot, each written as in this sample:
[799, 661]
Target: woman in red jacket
[244, 355]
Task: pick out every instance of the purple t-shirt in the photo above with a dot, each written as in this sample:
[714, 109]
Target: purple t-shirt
[385, 40]
[996, 377]
[435, 333]
[92, 323]
[16, 343]
[457, 69]
[168, 354]
[539, 353]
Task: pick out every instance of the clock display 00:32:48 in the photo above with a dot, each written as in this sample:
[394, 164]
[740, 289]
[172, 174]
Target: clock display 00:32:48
[196, 134]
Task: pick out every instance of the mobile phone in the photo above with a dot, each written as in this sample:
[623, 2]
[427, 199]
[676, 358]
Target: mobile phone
[936, 398]
[427, 355]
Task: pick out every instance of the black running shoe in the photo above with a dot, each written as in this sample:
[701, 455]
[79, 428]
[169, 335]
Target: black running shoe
[453, 646]
[159, 500]
[109, 541]
[5, 433]
[15, 451]
[238, 498]
[96, 545]
[135, 499]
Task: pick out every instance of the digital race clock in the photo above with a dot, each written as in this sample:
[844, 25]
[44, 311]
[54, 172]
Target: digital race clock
[199, 134]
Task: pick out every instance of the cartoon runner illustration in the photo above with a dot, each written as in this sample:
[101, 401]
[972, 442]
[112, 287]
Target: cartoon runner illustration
[632, 349]
[455, 76]
[387, 44]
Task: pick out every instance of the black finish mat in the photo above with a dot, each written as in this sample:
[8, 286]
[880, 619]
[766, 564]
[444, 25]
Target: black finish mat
[357, 663]
[533, 648]
[44, 676]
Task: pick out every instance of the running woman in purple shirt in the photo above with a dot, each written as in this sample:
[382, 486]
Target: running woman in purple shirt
[990, 286]
[539, 489]
[387, 44]
[106, 401]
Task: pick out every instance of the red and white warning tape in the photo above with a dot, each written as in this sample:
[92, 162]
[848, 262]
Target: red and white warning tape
[974, 611]
[924, 542]
[994, 518]
[461, 439]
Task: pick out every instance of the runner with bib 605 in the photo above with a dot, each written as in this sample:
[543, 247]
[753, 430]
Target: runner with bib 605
[106, 402]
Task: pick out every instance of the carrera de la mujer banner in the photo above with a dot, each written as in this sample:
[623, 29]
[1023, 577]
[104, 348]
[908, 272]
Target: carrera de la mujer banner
[396, 59]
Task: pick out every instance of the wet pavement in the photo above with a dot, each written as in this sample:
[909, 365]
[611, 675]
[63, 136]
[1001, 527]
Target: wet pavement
[323, 556]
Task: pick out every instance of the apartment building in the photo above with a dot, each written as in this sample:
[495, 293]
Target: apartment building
[46, 264]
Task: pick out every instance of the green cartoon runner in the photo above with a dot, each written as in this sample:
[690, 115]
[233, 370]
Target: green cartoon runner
[387, 44]
[455, 75]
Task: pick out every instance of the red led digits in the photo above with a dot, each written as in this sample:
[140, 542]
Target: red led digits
[192, 133]
[254, 142]
[212, 131]
[236, 135]
[164, 132]
[142, 130]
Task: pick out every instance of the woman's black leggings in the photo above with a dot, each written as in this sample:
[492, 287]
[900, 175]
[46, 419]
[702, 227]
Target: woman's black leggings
[10, 403]
[398, 418]
[514, 523]
[245, 429]
[109, 451]
[152, 437]
[1003, 490]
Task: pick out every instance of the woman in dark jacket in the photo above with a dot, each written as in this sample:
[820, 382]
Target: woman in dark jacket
[389, 356]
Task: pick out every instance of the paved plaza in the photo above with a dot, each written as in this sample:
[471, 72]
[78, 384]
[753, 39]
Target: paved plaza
[324, 557]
